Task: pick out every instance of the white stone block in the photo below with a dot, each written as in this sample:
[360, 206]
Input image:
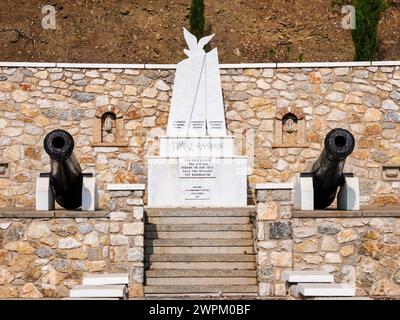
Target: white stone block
[44, 195]
[385, 63]
[274, 186]
[348, 197]
[89, 194]
[167, 189]
[304, 194]
[323, 290]
[307, 276]
[126, 186]
[104, 291]
[106, 279]
[99, 65]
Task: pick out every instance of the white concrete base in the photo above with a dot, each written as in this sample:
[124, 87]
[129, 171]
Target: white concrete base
[343, 298]
[323, 290]
[227, 187]
[106, 279]
[348, 197]
[45, 200]
[115, 291]
[89, 194]
[44, 194]
[69, 298]
[308, 276]
[205, 146]
[303, 194]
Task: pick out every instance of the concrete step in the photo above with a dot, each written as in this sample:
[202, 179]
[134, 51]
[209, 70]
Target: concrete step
[69, 298]
[323, 290]
[200, 281]
[108, 291]
[202, 296]
[201, 258]
[201, 289]
[197, 227]
[199, 235]
[173, 273]
[343, 298]
[200, 265]
[307, 276]
[198, 242]
[201, 212]
[105, 279]
[199, 250]
[198, 220]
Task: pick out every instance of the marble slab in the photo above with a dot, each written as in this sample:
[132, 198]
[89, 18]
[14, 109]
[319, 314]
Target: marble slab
[106, 279]
[348, 197]
[197, 146]
[323, 290]
[227, 188]
[307, 276]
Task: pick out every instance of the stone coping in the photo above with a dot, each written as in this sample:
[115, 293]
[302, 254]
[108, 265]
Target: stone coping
[205, 157]
[274, 186]
[337, 64]
[362, 213]
[248, 207]
[126, 186]
[21, 213]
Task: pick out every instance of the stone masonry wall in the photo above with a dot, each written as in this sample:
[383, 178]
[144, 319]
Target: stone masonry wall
[47, 257]
[127, 237]
[274, 240]
[364, 252]
[34, 101]
[361, 251]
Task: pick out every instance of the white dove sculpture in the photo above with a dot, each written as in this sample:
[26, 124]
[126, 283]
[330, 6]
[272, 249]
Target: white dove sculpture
[195, 48]
[197, 107]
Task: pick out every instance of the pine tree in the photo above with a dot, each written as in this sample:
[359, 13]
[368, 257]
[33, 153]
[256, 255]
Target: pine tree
[197, 18]
[365, 35]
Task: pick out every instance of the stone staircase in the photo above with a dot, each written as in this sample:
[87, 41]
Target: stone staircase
[199, 251]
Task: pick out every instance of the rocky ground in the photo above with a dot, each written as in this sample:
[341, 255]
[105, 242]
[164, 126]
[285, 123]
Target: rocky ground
[138, 31]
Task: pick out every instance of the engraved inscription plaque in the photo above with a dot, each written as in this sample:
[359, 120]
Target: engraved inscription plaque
[196, 168]
[197, 193]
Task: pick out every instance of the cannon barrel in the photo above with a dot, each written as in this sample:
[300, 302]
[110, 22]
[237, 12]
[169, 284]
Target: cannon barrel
[66, 175]
[327, 171]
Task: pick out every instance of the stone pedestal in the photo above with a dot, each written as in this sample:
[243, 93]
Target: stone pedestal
[126, 234]
[274, 236]
[197, 172]
[211, 182]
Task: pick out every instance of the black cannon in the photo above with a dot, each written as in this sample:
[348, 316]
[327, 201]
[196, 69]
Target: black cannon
[327, 171]
[66, 177]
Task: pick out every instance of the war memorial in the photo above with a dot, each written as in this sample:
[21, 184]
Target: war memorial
[270, 180]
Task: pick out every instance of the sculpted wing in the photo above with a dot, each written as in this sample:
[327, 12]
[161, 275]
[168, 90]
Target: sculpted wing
[191, 40]
[203, 41]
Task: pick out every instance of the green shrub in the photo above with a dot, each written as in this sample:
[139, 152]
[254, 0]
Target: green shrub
[197, 18]
[365, 35]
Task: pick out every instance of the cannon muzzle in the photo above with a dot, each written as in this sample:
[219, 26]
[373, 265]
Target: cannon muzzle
[327, 171]
[66, 177]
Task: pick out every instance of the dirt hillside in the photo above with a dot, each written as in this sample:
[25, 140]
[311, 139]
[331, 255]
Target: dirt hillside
[139, 31]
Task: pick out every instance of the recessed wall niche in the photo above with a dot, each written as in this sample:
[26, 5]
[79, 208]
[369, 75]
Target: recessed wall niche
[290, 128]
[108, 129]
[4, 170]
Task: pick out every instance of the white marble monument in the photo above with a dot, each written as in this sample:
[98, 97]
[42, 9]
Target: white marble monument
[197, 166]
